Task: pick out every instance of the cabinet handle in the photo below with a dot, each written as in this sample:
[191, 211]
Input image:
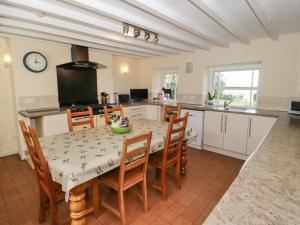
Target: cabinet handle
[222, 123]
[250, 127]
[190, 115]
[225, 123]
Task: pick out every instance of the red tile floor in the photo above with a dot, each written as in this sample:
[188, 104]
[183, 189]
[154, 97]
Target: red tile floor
[208, 177]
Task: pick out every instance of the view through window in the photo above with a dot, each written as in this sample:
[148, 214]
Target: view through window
[238, 86]
[171, 83]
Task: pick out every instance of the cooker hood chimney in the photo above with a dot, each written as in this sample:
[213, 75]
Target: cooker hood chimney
[80, 58]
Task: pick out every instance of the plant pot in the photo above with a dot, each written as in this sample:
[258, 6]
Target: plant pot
[210, 102]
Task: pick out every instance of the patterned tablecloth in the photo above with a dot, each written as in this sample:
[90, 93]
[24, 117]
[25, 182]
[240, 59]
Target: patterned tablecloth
[80, 156]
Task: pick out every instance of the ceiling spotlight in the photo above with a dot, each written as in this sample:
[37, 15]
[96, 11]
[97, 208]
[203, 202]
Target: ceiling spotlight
[137, 32]
[147, 35]
[156, 39]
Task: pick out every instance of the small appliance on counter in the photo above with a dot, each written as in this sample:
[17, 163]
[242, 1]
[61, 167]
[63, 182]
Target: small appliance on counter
[294, 106]
[114, 99]
[123, 98]
[104, 98]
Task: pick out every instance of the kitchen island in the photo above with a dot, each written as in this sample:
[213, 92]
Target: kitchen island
[267, 189]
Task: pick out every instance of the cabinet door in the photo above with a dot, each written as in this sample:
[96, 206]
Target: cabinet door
[100, 120]
[235, 132]
[54, 124]
[195, 121]
[213, 126]
[153, 112]
[259, 127]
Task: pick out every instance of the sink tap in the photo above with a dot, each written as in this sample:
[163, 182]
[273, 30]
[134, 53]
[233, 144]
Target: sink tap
[226, 104]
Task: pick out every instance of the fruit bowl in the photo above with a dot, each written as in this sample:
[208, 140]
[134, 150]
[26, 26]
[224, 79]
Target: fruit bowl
[121, 130]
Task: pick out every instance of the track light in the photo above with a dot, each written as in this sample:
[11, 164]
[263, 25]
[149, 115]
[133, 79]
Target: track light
[147, 35]
[156, 39]
[134, 31]
[137, 32]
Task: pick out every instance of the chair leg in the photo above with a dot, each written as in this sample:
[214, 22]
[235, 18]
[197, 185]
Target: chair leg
[96, 199]
[42, 210]
[163, 180]
[178, 177]
[53, 207]
[121, 206]
[157, 172]
[145, 195]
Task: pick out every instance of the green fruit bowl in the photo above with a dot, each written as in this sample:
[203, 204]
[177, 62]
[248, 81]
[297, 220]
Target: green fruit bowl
[121, 130]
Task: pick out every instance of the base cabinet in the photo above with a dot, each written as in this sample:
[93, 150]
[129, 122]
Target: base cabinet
[153, 112]
[195, 121]
[233, 134]
[135, 112]
[52, 125]
[259, 127]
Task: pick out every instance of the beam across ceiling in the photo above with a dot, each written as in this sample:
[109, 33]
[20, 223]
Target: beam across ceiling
[125, 13]
[199, 4]
[52, 38]
[158, 10]
[67, 34]
[77, 15]
[263, 18]
[21, 14]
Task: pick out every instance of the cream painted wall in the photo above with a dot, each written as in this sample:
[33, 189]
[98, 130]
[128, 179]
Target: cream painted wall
[122, 83]
[8, 132]
[279, 72]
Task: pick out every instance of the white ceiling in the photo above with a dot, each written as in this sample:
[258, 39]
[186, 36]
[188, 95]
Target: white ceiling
[182, 25]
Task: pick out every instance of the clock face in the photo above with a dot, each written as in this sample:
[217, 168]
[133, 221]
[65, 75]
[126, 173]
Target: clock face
[35, 62]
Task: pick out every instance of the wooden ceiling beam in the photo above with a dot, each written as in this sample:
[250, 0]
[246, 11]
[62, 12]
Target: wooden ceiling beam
[11, 12]
[67, 34]
[67, 12]
[52, 38]
[176, 19]
[199, 4]
[263, 18]
[125, 13]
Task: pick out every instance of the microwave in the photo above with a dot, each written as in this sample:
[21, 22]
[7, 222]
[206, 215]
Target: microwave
[294, 106]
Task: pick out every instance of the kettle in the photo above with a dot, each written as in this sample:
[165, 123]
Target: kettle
[114, 99]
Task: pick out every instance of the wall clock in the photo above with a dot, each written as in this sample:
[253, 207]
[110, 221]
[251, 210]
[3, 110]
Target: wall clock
[35, 62]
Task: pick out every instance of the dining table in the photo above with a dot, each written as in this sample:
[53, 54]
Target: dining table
[75, 158]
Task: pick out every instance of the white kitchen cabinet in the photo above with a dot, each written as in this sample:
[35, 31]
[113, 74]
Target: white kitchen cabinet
[213, 129]
[235, 129]
[153, 112]
[195, 121]
[135, 112]
[259, 127]
[100, 120]
[52, 125]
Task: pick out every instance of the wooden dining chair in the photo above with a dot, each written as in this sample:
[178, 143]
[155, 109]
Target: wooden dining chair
[168, 110]
[115, 108]
[170, 156]
[71, 115]
[50, 191]
[132, 171]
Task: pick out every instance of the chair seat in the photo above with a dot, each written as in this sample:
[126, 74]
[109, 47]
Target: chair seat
[131, 178]
[156, 160]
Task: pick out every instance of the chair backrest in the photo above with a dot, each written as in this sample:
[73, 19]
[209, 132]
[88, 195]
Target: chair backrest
[115, 108]
[174, 138]
[88, 113]
[41, 168]
[136, 157]
[168, 110]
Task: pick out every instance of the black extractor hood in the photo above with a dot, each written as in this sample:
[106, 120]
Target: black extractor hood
[80, 58]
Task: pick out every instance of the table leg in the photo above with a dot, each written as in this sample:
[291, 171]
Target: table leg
[78, 205]
[183, 160]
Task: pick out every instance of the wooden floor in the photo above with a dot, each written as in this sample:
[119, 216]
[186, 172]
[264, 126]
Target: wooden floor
[209, 176]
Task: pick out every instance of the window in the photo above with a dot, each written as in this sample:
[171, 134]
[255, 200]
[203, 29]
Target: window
[171, 84]
[239, 86]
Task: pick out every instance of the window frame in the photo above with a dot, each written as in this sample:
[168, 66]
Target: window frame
[245, 67]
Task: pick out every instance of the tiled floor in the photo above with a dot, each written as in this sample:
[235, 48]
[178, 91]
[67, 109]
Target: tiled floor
[208, 177]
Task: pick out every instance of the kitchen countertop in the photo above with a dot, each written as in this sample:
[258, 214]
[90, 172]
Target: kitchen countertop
[36, 113]
[267, 189]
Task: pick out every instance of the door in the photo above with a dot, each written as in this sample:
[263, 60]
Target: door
[213, 129]
[259, 127]
[235, 132]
